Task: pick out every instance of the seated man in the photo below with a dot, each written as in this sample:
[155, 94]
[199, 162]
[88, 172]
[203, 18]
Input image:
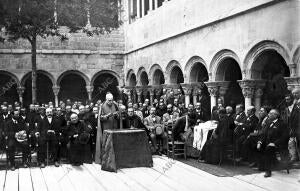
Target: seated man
[182, 125]
[171, 116]
[16, 136]
[152, 122]
[273, 138]
[242, 131]
[249, 145]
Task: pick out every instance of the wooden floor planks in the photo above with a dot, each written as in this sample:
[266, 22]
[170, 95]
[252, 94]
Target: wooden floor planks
[165, 175]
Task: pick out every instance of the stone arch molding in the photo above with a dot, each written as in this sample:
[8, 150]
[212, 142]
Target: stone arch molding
[217, 60]
[128, 76]
[139, 74]
[97, 74]
[49, 75]
[152, 70]
[169, 69]
[13, 76]
[65, 73]
[190, 64]
[258, 49]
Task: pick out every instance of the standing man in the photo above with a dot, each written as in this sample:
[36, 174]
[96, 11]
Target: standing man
[93, 120]
[294, 123]
[109, 113]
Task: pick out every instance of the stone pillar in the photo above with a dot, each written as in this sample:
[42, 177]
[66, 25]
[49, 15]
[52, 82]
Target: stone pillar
[187, 89]
[248, 87]
[138, 8]
[143, 8]
[55, 92]
[152, 91]
[293, 69]
[195, 94]
[139, 92]
[20, 91]
[257, 100]
[259, 85]
[213, 90]
[89, 90]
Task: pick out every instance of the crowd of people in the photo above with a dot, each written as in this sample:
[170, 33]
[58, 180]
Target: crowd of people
[69, 130]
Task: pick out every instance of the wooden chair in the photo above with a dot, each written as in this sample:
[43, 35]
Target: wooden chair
[174, 148]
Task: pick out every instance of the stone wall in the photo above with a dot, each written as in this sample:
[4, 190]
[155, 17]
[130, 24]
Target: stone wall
[181, 30]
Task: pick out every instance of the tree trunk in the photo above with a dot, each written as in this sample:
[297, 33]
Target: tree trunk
[33, 72]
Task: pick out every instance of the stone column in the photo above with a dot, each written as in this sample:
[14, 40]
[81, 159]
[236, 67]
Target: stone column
[195, 94]
[257, 99]
[152, 90]
[248, 87]
[138, 8]
[187, 89]
[139, 92]
[293, 69]
[213, 90]
[89, 90]
[259, 85]
[20, 91]
[143, 8]
[56, 91]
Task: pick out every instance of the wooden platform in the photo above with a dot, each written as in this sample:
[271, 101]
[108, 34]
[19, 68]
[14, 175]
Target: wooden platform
[165, 175]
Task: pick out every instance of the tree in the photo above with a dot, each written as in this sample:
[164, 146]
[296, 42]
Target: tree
[34, 19]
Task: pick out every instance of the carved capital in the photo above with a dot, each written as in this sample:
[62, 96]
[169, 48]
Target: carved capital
[89, 89]
[20, 90]
[56, 90]
[213, 90]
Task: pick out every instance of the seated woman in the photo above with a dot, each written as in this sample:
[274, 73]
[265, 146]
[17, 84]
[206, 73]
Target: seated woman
[219, 139]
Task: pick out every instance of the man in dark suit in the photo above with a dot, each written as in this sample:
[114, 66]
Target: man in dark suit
[48, 132]
[273, 138]
[244, 130]
[4, 117]
[93, 122]
[13, 129]
[294, 122]
[249, 145]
